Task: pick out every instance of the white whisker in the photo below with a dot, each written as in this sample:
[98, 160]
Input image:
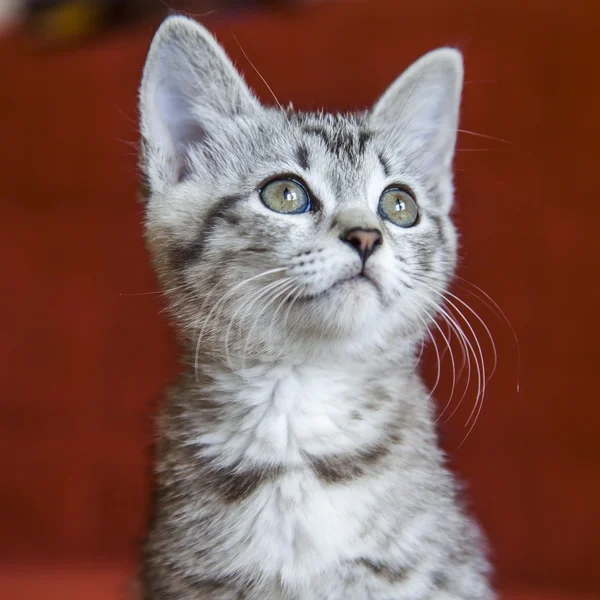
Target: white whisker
[420, 355]
[281, 305]
[217, 307]
[291, 304]
[481, 367]
[178, 287]
[432, 317]
[494, 306]
[259, 74]
[437, 353]
[468, 345]
[444, 293]
[264, 291]
[487, 330]
[265, 306]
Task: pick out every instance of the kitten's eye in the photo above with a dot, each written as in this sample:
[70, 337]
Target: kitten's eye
[398, 207]
[285, 196]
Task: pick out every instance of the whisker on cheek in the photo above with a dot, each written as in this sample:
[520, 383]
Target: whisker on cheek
[282, 289]
[247, 306]
[218, 306]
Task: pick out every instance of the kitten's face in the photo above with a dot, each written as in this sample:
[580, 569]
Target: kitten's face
[282, 232]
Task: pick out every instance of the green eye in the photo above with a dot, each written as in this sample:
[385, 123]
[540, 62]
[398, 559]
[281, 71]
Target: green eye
[398, 207]
[285, 196]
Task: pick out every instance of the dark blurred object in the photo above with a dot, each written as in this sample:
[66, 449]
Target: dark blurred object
[63, 21]
[60, 21]
[11, 14]
[194, 6]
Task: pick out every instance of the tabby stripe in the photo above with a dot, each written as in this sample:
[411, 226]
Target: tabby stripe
[183, 256]
[234, 485]
[385, 165]
[339, 142]
[302, 156]
[342, 468]
[391, 574]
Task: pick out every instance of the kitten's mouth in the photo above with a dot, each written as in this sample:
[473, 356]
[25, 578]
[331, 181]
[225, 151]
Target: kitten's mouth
[360, 279]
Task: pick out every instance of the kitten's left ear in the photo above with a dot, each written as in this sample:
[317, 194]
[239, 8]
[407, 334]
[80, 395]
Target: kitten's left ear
[188, 89]
[420, 109]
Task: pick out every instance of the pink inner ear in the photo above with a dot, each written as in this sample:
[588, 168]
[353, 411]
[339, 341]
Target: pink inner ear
[420, 109]
[193, 134]
[173, 125]
[189, 83]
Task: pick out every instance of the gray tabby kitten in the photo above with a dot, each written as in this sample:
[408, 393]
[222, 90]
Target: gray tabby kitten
[304, 256]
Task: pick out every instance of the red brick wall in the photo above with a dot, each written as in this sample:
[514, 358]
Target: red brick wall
[84, 360]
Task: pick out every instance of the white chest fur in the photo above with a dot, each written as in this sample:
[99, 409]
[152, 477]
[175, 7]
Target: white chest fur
[296, 525]
[277, 415]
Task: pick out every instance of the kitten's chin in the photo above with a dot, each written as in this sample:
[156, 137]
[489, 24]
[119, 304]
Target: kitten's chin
[344, 309]
[354, 290]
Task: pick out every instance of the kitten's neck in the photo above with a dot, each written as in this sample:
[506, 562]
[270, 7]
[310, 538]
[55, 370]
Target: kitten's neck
[279, 413]
[369, 353]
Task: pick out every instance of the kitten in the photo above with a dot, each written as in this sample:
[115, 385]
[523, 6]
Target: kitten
[304, 256]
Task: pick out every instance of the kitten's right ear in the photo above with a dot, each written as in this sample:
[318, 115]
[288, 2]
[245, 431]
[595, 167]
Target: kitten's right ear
[188, 88]
[420, 109]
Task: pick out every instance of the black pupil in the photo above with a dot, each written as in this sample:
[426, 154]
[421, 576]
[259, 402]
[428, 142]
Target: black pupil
[400, 205]
[288, 195]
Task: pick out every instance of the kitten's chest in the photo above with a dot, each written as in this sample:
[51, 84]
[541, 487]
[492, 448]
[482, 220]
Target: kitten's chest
[297, 523]
[289, 414]
[297, 527]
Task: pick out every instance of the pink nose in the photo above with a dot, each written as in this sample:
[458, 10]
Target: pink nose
[364, 241]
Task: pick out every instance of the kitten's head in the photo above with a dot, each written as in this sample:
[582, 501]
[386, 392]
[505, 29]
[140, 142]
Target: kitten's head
[284, 233]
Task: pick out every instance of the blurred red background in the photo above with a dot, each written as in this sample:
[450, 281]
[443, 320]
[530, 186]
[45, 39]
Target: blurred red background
[85, 354]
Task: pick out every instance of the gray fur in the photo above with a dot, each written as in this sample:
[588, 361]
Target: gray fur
[297, 455]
